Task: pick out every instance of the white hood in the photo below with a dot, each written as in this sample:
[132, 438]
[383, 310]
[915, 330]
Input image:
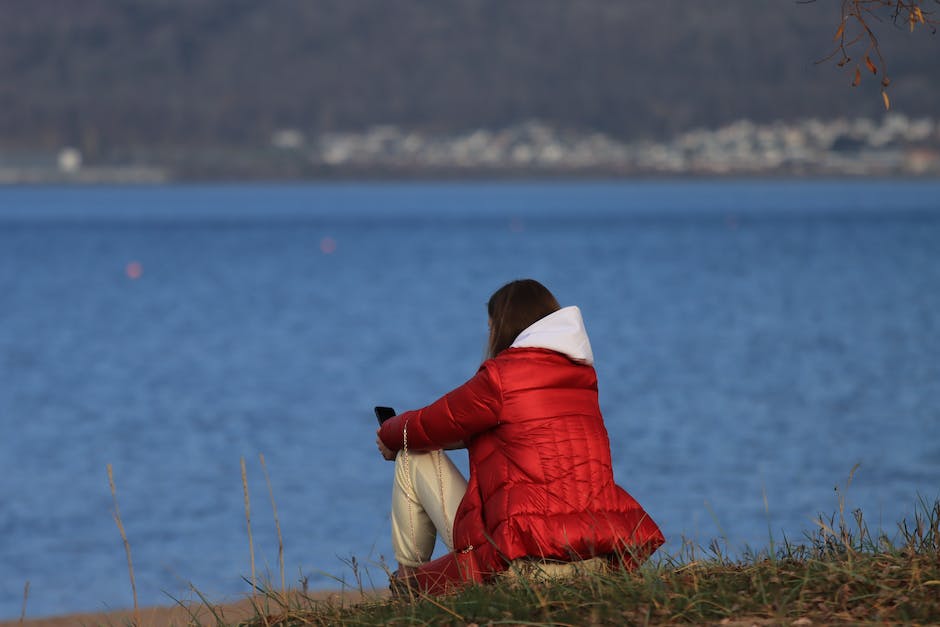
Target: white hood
[562, 331]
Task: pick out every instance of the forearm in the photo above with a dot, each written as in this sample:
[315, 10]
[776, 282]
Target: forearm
[450, 421]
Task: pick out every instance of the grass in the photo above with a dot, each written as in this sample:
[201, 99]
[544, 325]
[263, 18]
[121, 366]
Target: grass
[840, 573]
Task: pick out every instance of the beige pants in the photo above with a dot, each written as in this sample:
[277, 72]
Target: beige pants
[425, 495]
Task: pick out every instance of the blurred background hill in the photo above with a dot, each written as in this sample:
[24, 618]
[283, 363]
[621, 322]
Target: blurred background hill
[218, 88]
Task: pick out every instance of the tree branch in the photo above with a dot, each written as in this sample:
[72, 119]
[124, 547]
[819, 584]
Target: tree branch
[856, 16]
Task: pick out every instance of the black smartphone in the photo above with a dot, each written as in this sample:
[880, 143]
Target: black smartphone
[384, 413]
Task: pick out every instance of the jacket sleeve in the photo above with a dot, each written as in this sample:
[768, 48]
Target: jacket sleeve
[455, 417]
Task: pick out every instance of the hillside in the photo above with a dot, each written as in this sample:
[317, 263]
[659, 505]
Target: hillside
[110, 76]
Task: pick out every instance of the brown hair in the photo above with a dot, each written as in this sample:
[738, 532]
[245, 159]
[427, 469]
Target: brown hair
[513, 308]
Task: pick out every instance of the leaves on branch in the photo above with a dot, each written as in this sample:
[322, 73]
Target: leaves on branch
[854, 29]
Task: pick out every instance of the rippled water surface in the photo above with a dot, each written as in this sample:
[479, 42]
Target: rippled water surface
[754, 340]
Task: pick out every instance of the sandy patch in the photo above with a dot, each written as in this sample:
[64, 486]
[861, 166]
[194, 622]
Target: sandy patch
[171, 616]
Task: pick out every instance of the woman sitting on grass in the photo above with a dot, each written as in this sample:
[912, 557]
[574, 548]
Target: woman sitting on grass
[541, 483]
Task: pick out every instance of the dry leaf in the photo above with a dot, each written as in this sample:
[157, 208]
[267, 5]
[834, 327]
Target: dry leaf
[839, 32]
[871, 66]
[858, 77]
[884, 96]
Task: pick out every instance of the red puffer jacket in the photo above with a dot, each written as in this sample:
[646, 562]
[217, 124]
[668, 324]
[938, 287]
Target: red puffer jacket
[541, 482]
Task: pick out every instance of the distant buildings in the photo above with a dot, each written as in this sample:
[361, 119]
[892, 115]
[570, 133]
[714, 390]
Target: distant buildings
[893, 146]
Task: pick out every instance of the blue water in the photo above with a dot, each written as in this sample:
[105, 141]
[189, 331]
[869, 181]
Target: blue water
[754, 340]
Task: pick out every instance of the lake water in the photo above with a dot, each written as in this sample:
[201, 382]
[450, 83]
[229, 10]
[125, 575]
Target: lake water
[754, 340]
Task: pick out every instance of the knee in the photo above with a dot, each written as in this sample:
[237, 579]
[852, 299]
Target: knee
[411, 464]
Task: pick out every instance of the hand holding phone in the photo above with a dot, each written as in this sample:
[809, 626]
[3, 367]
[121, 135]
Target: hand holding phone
[384, 413]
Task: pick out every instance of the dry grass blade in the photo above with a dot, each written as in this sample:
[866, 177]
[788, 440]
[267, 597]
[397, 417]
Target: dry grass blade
[127, 545]
[277, 524]
[251, 542]
[219, 620]
[25, 597]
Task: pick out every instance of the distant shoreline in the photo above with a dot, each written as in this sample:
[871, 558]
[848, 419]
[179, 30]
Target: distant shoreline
[896, 145]
[160, 179]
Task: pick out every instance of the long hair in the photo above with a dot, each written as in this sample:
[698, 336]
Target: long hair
[513, 308]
